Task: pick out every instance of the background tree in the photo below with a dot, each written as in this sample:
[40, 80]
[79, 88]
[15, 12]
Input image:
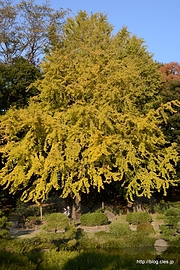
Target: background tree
[93, 121]
[24, 28]
[170, 90]
[14, 81]
[170, 71]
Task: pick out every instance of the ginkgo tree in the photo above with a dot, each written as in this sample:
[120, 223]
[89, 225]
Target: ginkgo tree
[93, 121]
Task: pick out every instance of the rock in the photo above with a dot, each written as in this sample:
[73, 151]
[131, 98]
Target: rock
[133, 227]
[160, 245]
[44, 250]
[110, 215]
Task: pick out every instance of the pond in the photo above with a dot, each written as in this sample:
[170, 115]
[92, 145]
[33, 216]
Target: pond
[96, 259]
[129, 258]
[150, 255]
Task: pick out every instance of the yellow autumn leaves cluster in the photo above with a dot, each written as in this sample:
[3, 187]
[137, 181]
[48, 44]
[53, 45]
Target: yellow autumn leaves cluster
[94, 121]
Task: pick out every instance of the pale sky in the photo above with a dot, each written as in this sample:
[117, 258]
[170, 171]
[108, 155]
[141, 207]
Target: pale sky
[156, 21]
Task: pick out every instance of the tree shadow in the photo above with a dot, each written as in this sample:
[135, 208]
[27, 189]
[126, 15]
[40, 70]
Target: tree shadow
[99, 260]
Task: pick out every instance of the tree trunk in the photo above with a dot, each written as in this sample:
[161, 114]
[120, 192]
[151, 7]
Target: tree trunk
[41, 212]
[76, 209]
[102, 199]
[102, 205]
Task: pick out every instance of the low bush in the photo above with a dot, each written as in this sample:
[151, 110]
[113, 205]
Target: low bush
[70, 233]
[137, 239]
[170, 234]
[94, 219]
[171, 229]
[119, 230]
[4, 233]
[161, 207]
[4, 226]
[160, 216]
[145, 228]
[10, 261]
[87, 243]
[32, 222]
[56, 221]
[102, 234]
[26, 245]
[26, 210]
[136, 218]
[166, 231]
[172, 216]
[132, 240]
[71, 244]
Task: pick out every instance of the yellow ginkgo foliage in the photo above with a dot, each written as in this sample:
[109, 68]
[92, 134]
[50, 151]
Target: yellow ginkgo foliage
[93, 121]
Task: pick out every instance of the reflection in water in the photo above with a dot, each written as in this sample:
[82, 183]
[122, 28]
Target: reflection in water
[129, 258]
[155, 256]
[160, 245]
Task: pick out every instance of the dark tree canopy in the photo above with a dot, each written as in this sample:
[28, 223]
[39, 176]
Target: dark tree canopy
[14, 81]
[170, 90]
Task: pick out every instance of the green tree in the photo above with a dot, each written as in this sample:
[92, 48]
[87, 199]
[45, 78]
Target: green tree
[4, 226]
[14, 81]
[93, 121]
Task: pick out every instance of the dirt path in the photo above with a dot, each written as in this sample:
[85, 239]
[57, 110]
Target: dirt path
[24, 233]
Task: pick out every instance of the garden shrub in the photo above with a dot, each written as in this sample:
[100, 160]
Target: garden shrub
[4, 233]
[145, 228]
[4, 226]
[160, 217]
[133, 239]
[137, 239]
[113, 244]
[166, 232]
[56, 221]
[102, 234]
[170, 230]
[10, 261]
[71, 232]
[161, 207]
[138, 217]
[71, 244]
[170, 234]
[172, 216]
[94, 219]
[32, 222]
[26, 210]
[25, 245]
[85, 243]
[119, 230]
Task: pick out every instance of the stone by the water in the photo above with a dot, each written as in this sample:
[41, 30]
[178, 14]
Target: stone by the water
[160, 245]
